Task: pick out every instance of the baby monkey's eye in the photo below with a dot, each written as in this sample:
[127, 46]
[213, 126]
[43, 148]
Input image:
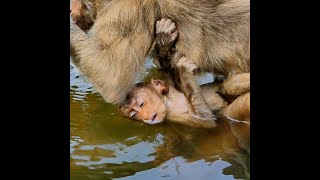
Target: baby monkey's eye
[132, 114]
[141, 104]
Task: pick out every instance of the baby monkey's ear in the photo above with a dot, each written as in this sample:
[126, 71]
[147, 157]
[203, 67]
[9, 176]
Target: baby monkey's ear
[160, 86]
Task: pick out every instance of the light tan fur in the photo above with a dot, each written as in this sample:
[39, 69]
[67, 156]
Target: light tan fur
[158, 100]
[214, 34]
[238, 115]
[236, 85]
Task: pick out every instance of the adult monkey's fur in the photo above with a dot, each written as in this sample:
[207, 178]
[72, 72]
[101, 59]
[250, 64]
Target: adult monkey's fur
[214, 34]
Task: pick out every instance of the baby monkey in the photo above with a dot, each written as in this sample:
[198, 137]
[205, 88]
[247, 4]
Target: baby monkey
[157, 100]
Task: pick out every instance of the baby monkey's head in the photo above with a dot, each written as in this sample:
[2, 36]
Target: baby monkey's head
[147, 102]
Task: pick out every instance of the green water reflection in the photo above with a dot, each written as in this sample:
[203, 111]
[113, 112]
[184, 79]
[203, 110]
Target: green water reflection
[105, 145]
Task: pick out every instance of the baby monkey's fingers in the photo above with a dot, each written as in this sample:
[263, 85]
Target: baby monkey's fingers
[174, 36]
[167, 24]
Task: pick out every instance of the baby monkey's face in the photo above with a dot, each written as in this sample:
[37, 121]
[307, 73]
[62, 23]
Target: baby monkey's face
[147, 103]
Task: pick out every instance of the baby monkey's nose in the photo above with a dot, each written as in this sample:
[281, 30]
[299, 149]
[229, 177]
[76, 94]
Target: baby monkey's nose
[154, 116]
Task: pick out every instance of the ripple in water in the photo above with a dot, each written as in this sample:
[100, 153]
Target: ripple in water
[105, 145]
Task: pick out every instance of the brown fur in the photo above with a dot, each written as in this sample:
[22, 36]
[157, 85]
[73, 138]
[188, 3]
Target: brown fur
[152, 102]
[221, 47]
[155, 97]
[236, 85]
[238, 115]
[239, 109]
[214, 34]
[164, 52]
[198, 107]
[83, 13]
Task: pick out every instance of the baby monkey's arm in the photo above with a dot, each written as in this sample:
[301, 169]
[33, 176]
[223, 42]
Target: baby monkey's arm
[163, 53]
[163, 50]
[166, 34]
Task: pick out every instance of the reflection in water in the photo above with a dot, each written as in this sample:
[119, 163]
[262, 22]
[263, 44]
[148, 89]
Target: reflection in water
[105, 145]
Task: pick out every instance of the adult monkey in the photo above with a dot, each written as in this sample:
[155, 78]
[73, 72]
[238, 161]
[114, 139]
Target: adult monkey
[214, 34]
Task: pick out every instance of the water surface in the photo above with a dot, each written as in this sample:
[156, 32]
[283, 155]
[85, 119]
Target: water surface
[105, 145]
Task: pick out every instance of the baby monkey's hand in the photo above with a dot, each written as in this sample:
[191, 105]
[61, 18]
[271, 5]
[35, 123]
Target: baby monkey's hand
[166, 33]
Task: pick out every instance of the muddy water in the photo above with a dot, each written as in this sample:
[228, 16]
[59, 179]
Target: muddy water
[105, 145]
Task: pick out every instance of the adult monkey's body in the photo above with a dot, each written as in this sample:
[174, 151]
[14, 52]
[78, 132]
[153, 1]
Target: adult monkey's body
[214, 34]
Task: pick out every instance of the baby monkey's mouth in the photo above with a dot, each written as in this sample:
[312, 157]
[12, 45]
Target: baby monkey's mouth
[152, 121]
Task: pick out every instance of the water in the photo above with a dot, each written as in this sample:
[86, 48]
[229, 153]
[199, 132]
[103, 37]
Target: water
[105, 145]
